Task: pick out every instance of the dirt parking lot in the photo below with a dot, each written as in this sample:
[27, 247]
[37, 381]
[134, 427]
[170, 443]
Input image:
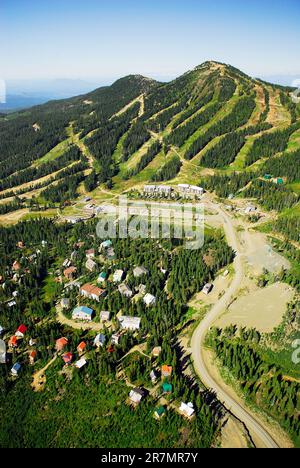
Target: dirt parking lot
[262, 309]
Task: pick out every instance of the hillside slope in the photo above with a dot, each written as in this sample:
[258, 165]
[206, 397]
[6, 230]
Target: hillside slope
[213, 125]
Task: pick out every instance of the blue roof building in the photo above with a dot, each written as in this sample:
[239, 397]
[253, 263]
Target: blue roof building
[82, 313]
[16, 368]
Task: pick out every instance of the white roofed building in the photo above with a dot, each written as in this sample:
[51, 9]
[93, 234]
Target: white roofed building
[140, 271]
[187, 410]
[130, 323]
[118, 276]
[81, 363]
[125, 290]
[149, 300]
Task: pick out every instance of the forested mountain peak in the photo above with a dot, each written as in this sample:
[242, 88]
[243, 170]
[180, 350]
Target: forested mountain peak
[138, 130]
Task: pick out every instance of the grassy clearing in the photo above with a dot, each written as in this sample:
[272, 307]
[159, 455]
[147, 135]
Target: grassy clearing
[53, 154]
[283, 359]
[295, 187]
[135, 158]
[144, 176]
[278, 114]
[117, 156]
[294, 142]
[294, 211]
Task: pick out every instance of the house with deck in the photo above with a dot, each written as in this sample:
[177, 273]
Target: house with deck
[65, 303]
[67, 358]
[118, 276]
[13, 342]
[81, 347]
[106, 245]
[100, 340]
[90, 254]
[102, 277]
[166, 371]
[32, 356]
[104, 316]
[21, 331]
[70, 273]
[81, 363]
[90, 265]
[159, 412]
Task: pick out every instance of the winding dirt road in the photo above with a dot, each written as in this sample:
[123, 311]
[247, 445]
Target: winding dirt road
[255, 428]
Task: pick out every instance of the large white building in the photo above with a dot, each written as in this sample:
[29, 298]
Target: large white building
[187, 189]
[158, 189]
[130, 323]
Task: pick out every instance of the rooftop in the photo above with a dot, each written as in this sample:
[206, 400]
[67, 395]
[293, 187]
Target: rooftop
[83, 310]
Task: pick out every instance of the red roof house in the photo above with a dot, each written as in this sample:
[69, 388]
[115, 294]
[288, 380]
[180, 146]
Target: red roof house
[70, 273]
[61, 343]
[21, 331]
[32, 356]
[166, 371]
[13, 342]
[81, 347]
[92, 292]
[67, 358]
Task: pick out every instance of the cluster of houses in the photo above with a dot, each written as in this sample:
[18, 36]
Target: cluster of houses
[184, 190]
[138, 394]
[96, 292]
[13, 343]
[18, 270]
[68, 357]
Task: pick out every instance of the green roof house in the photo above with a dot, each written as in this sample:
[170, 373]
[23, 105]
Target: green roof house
[102, 277]
[167, 387]
[159, 412]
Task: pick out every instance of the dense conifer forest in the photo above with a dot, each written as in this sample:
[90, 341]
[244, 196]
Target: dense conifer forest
[262, 383]
[169, 170]
[237, 118]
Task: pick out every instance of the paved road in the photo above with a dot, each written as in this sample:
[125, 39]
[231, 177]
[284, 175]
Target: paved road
[256, 430]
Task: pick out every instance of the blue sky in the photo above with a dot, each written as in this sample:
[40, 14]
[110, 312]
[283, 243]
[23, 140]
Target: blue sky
[161, 38]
